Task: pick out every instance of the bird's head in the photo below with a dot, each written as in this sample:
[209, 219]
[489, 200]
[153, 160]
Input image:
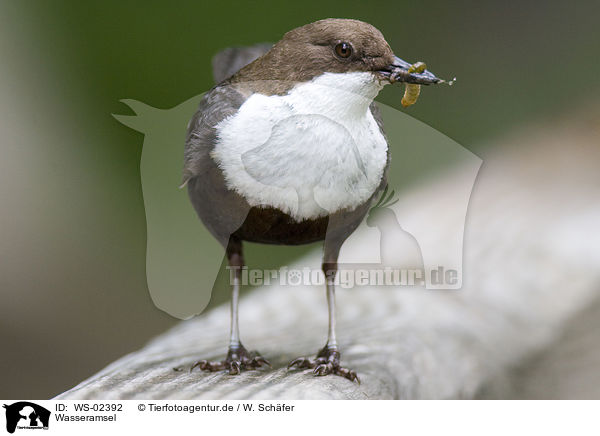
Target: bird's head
[334, 46]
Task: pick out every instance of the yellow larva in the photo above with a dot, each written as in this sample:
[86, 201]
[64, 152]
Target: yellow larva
[412, 91]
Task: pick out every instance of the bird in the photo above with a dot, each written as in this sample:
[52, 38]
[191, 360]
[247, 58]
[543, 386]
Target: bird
[290, 149]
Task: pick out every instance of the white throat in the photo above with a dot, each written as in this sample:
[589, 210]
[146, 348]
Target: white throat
[309, 153]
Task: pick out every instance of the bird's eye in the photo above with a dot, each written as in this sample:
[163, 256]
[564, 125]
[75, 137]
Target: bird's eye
[343, 50]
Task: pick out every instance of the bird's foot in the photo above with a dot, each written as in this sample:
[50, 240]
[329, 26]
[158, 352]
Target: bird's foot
[326, 362]
[238, 359]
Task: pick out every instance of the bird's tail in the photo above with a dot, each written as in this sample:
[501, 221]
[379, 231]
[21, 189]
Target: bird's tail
[229, 61]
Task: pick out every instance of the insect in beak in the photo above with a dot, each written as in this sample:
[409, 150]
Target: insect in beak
[402, 71]
[413, 75]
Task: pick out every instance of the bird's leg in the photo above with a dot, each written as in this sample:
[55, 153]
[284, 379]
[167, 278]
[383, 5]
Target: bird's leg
[238, 358]
[327, 360]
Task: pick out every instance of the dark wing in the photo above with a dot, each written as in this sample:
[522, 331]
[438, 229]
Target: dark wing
[221, 210]
[206, 185]
[217, 104]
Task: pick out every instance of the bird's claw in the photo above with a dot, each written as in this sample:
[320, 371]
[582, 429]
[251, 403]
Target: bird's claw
[238, 359]
[323, 368]
[205, 365]
[326, 362]
[300, 362]
[258, 361]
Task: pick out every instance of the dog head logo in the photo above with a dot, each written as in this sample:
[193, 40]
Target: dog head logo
[26, 415]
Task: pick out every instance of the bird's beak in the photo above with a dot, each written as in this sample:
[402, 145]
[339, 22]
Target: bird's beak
[398, 71]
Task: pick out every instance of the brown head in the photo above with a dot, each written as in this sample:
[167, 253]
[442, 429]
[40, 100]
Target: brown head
[335, 46]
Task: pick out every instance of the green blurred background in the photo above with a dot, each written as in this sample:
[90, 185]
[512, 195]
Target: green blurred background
[72, 226]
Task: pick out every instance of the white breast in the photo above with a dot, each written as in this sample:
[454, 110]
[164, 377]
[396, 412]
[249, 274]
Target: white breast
[309, 153]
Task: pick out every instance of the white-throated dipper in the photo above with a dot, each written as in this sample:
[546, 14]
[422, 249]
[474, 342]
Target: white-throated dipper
[290, 150]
